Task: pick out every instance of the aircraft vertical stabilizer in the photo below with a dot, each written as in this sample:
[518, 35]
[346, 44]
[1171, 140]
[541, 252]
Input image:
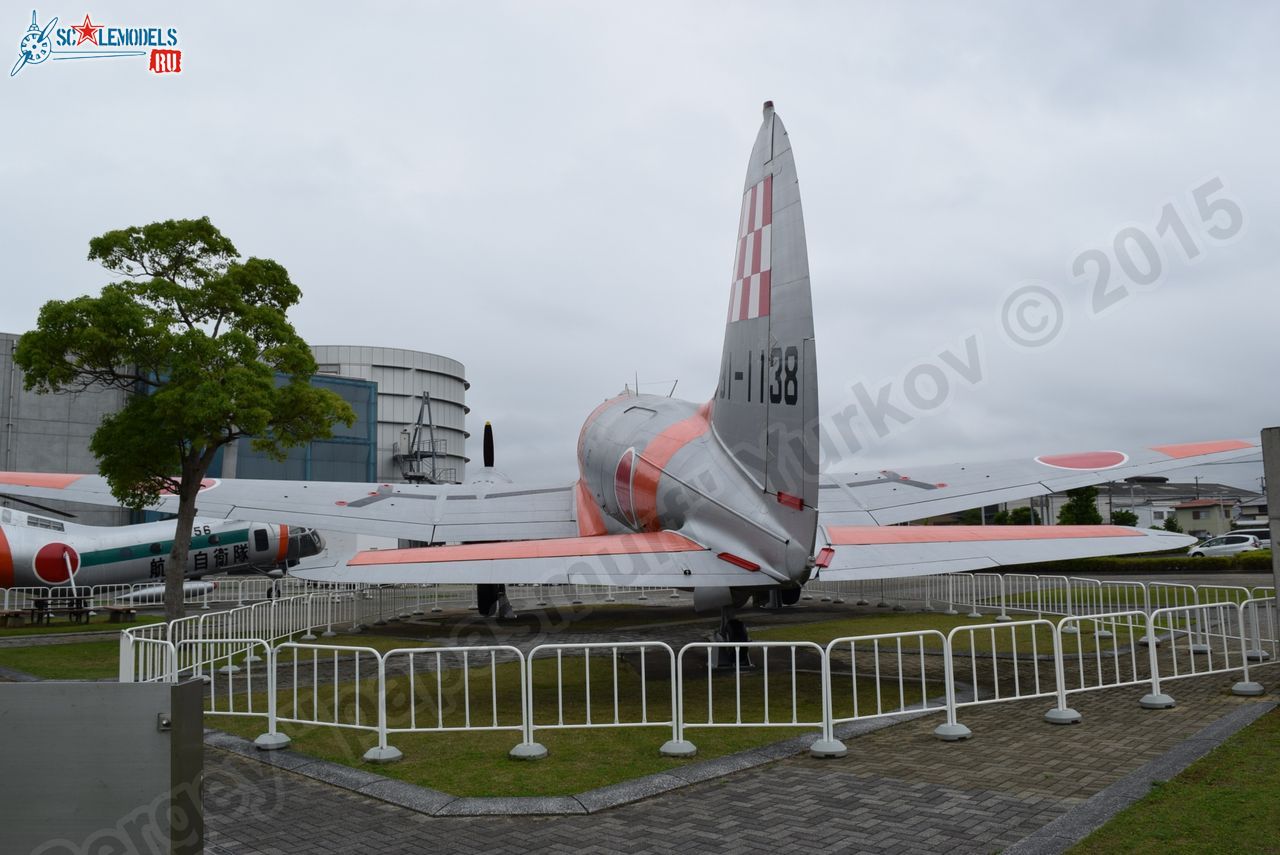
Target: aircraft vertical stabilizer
[766, 404]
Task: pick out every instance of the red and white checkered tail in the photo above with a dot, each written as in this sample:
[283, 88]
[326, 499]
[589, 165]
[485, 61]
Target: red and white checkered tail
[766, 404]
[749, 297]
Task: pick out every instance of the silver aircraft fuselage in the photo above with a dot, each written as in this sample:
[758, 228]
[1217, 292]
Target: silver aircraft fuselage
[650, 463]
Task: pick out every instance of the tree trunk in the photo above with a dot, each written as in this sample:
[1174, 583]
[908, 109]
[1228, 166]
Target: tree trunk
[175, 568]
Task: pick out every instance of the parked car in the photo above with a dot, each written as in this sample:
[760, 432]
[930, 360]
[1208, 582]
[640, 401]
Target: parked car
[1263, 535]
[1225, 544]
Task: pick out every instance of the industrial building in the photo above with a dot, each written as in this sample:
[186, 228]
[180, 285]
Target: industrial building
[403, 378]
[50, 433]
[387, 442]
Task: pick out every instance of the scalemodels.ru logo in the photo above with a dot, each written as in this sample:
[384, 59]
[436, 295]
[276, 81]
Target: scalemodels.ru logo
[89, 40]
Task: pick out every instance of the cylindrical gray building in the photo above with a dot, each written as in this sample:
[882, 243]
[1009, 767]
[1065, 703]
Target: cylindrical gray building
[403, 376]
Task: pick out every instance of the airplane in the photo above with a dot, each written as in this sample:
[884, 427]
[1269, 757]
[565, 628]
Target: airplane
[42, 552]
[722, 497]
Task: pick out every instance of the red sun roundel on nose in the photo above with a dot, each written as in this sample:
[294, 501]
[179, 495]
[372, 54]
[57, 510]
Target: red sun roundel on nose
[1084, 460]
[51, 563]
[622, 477]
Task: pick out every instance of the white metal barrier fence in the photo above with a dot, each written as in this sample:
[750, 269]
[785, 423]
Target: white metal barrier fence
[709, 685]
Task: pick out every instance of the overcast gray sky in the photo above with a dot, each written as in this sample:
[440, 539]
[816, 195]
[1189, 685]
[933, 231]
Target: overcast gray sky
[549, 193]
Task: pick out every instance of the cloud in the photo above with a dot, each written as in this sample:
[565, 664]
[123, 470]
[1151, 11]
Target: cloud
[547, 193]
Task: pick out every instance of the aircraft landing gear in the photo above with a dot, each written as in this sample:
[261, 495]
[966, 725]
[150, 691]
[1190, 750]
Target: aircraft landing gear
[731, 631]
[491, 601]
[777, 598]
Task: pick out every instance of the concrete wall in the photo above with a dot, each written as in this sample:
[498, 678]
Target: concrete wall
[50, 433]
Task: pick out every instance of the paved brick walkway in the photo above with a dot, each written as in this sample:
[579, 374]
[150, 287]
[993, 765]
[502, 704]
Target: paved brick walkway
[899, 790]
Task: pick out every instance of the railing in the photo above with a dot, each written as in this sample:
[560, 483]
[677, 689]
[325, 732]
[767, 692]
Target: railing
[724, 658]
[716, 685]
[431, 700]
[258, 662]
[1202, 639]
[1105, 653]
[622, 698]
[905, 660]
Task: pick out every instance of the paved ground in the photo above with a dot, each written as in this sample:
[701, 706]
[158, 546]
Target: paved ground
[899, 790]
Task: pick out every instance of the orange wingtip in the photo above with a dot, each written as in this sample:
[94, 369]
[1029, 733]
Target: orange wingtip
[47, 480]
[566, 547]
[1191, 449]
[869, 535]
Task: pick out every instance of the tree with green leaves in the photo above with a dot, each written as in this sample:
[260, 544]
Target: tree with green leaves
[1024, 516]
[1124, 517]
[1171, 524]
[1081, 508]
[1017, 516]
[201, 340]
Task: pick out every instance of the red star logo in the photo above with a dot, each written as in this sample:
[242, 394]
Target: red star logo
[88, 31]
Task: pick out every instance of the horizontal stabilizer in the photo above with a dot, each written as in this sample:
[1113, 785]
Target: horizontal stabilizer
[876, 552]
[653, 560]
[902, 494]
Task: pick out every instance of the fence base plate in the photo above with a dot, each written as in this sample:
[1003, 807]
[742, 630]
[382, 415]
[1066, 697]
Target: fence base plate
[1247, 688]
[1003, 618]
[1156, 702]
[377, 754]
[1066, 716]
[528, 751]
[952, 732]
[271, 741]
[828, 748]
[678, 748]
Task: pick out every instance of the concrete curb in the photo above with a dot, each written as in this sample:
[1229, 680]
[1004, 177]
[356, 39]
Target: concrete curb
[1086, 817]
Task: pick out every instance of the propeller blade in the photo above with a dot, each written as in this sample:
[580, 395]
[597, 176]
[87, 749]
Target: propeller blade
[488, 445]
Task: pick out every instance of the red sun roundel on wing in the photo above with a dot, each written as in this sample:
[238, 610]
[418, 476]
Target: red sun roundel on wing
[51, 563]
[1084, 460]
[205, 484]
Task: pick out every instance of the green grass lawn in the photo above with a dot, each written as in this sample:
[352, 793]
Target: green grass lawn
[993, 635]
[87, 660]
[98, 623]
[1228, 801]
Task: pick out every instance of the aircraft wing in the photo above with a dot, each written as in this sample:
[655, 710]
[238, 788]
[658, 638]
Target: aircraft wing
[893, 496]
[651, 559]
[877, 552]
[427, 512]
